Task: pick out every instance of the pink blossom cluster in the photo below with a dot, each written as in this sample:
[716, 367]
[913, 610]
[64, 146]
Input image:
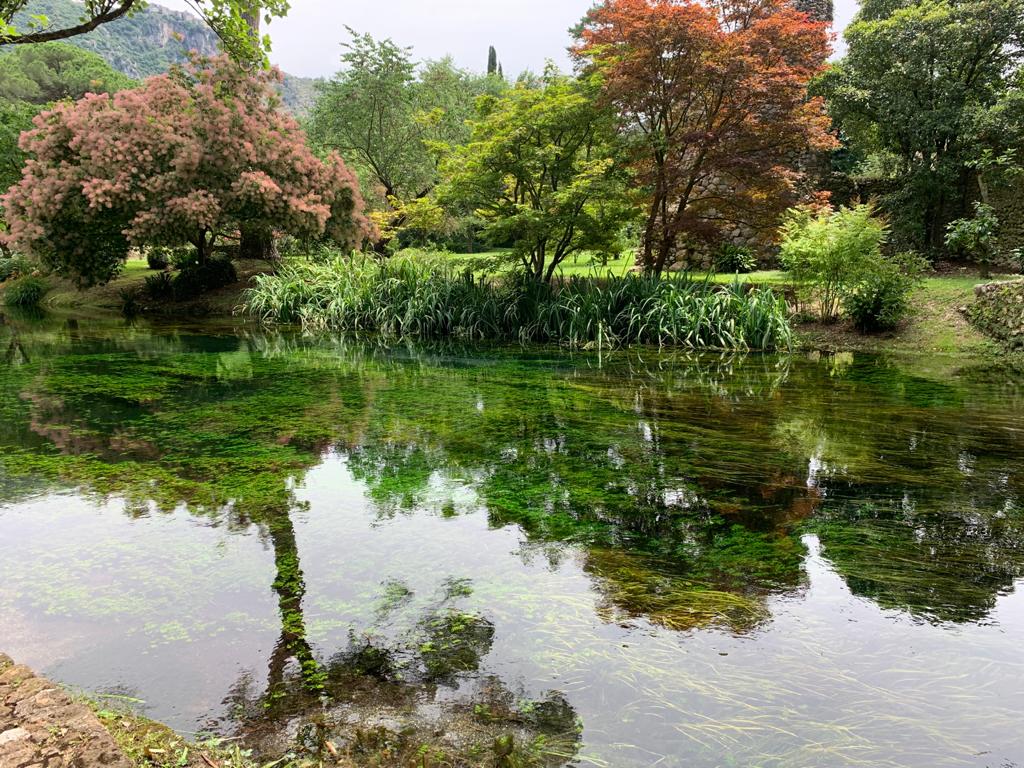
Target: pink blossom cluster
[188, 156]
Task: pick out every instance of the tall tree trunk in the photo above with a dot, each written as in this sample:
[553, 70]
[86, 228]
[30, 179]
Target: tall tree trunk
[202, 249]
[257, 244]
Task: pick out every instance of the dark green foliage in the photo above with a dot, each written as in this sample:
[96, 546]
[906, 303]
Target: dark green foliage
[735, 258]
[25, 292]
[196, 279]
[882, 298]
[911, 97]
[159, 286]
[41, 74]
[158, 258]
[130, 301]
[975, 237]
[15, 117]
[428, 298]
[492, 61]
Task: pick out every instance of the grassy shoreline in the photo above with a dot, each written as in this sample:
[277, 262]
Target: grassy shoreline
[937, 326]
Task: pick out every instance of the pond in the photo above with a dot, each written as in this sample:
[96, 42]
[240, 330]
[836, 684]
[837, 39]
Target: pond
[623, 559]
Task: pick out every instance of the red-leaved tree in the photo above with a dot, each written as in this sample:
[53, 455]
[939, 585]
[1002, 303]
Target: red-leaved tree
[714, 99]
[188, 157]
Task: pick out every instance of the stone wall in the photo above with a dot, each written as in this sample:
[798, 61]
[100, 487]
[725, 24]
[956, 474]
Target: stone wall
[1008, 203]
[998, 311]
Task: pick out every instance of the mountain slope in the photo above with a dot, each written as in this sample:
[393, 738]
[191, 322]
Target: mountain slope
[149, 42]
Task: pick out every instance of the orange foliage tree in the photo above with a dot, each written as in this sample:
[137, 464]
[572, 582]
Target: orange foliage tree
[713, 98]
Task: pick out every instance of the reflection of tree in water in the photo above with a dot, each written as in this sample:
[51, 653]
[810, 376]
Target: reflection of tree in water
[375, 700]
[921, 484]
[686, 489]
[211, 424]
[684, 482]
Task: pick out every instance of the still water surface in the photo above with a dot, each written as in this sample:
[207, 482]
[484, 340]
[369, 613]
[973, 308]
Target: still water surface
[678, 560]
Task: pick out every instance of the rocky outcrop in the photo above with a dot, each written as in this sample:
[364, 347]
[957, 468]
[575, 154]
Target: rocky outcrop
[41, 726]
[998, 311]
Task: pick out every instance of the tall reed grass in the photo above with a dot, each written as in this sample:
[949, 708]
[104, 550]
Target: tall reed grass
[428, 298]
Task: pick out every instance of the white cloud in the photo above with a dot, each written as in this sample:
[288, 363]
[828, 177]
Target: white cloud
[525, 32]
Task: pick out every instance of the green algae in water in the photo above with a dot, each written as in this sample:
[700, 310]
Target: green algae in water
[651, 535]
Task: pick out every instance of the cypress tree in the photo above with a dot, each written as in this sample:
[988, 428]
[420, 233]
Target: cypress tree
[492, 61]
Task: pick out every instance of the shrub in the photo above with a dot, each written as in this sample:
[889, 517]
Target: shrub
[199, 278]
[427, 297]
[183, 258]
[735, 259]
[882, 299]
[976, 237]
[129, 301]
[1017, 259]
[25, 292]
[829, 252]
[158, 258]
[159, 286]
[14, 266]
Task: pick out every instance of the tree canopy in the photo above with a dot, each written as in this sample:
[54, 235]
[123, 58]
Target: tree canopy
[49, 72]
[391, 118]
[540, 170]
[912, 94]
[187, 157]
[714, 101]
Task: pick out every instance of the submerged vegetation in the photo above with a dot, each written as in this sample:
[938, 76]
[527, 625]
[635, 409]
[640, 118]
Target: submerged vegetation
[494, 515]
[491, 510]
[432, 299]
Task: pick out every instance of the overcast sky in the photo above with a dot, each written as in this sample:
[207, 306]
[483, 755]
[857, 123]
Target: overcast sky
[525, 32]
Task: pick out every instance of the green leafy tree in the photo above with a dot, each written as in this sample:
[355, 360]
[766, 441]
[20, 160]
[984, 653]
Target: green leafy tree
[911, 88]
[541, 170]
[41, 74]
[15, 117]
[390, 119]
[236, 22]
[827, 253]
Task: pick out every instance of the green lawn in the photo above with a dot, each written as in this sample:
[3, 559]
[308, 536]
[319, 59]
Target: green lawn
[588, 265]
[936, 325]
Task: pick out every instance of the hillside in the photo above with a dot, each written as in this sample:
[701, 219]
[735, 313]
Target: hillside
[150, 41]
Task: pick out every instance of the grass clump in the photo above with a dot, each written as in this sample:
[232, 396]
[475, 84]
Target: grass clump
[429, 298]
[25, 292]
[14, 266]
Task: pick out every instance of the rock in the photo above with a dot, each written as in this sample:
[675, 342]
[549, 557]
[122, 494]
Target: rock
[14, 734]
[41, 726]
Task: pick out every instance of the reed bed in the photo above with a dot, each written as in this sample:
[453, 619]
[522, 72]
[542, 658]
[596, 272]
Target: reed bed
[429, 298]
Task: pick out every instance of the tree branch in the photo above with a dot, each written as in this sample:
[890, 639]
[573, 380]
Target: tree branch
[112, 13]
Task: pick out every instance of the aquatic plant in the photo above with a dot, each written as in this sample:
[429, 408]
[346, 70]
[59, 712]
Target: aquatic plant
[428, 298]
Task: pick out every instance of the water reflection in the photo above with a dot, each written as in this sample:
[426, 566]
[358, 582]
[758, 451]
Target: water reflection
[658, 506]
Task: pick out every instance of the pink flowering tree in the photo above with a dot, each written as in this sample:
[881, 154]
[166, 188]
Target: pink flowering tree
[193, 156]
